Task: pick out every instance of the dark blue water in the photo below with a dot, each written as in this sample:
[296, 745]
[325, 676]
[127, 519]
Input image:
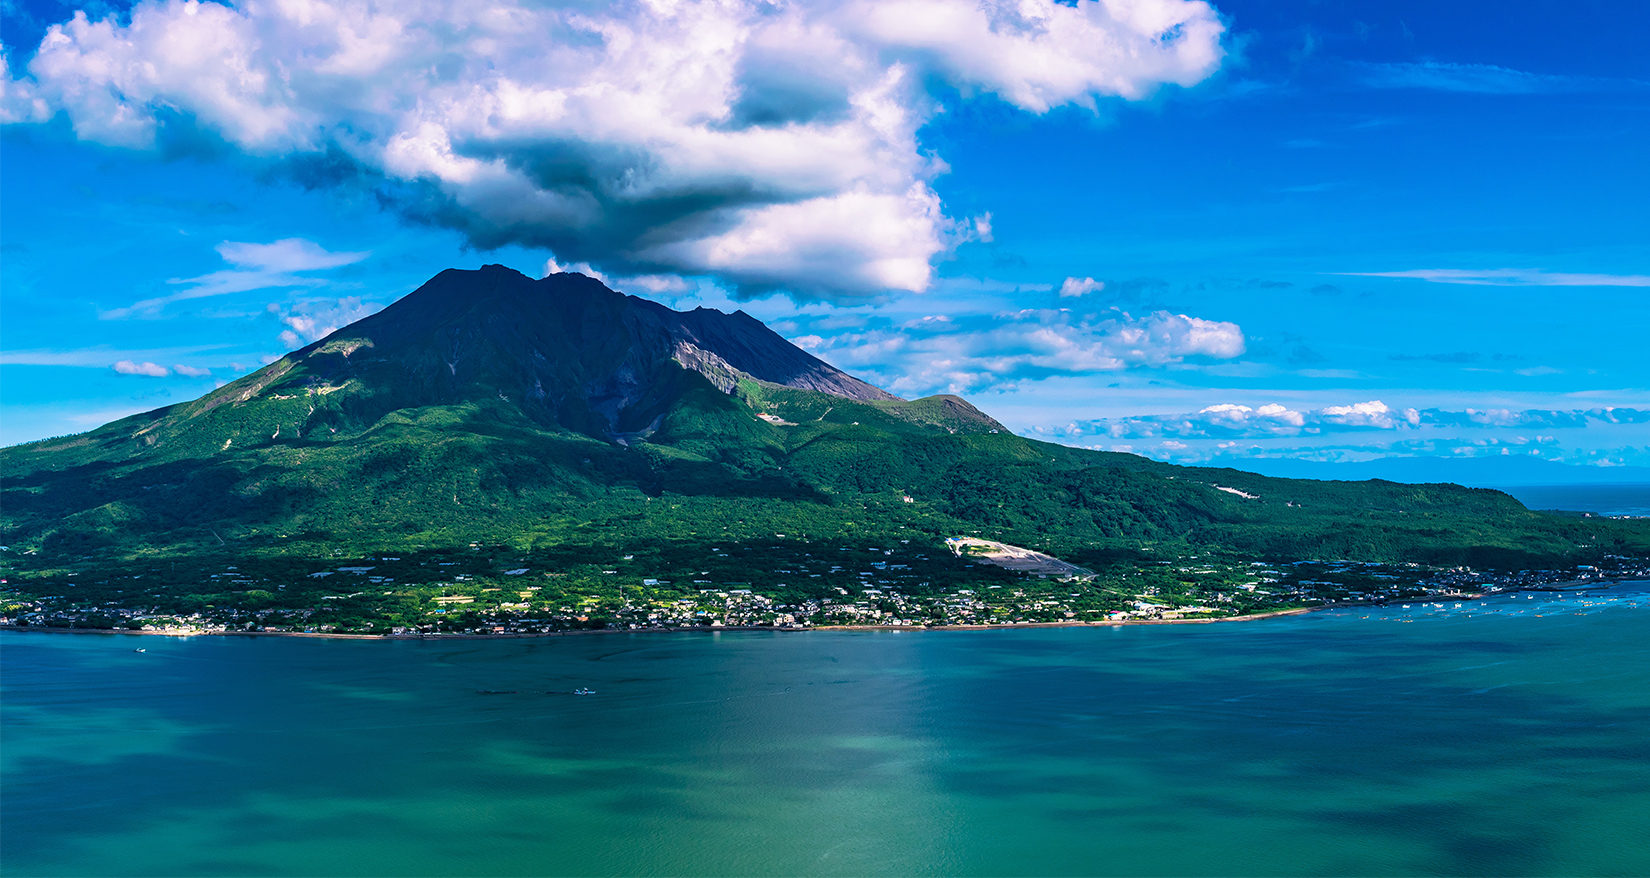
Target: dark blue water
[1631, 500]
[1503, 737]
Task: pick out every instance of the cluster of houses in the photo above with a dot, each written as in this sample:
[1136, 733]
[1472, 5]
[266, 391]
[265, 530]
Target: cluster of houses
[872, 595]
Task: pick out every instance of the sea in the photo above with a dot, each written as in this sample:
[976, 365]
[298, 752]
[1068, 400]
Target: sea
[1507, 736]
[1624, 499]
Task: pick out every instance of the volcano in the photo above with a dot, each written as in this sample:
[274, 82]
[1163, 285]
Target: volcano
[566, 350]
[487, 406]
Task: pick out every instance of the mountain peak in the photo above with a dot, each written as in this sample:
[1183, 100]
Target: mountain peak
[565, 348]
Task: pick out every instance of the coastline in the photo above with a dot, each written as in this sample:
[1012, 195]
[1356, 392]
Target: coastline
[697, 629]
[1007, 626]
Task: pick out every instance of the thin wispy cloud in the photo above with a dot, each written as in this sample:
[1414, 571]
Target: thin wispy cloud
[986, 285]
[1510, 277]
[102, 357]
[1482, 79]
[278, 265]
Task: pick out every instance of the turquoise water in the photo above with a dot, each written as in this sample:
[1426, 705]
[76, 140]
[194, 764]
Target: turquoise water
[1510, 736]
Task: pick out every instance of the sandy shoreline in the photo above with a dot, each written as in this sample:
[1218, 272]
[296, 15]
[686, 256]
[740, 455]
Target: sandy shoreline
[1007, 626]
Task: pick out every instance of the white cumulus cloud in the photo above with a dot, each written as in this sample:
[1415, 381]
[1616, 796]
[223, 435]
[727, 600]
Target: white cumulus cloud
[551, 266]
[771, 144]
[315, 319]
[1226, 433]
[965, 354]
[1232, 421]
[1268, 419]
[151, 370]
[1079, 286]
[1374, 414]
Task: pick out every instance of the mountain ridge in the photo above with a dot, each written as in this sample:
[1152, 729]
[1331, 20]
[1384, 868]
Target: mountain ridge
[487, 406]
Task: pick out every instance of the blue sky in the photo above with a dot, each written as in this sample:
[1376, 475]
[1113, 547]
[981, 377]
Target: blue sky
[1320, 229]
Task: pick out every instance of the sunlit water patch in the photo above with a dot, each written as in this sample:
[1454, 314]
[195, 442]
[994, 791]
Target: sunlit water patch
[1509, 735]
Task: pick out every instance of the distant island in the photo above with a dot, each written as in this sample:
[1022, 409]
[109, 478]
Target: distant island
[495, 454]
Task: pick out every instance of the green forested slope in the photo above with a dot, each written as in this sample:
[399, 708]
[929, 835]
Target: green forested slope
[490, 408]
[255, 475]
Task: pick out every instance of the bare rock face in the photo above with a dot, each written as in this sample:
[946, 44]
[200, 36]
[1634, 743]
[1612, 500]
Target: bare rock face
[565, 349]
[712, 343]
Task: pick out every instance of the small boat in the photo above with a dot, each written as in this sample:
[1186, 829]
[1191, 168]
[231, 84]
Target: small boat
[140, 650]
[583, 691]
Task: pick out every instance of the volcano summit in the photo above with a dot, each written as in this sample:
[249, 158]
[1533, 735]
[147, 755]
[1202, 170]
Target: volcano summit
[566, 351]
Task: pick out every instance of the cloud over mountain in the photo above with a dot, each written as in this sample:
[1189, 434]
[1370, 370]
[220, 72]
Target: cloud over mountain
[312, 319]
[966, 354]
[772, 145]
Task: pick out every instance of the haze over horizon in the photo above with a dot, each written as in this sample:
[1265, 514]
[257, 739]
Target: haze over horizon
[1202, 233]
